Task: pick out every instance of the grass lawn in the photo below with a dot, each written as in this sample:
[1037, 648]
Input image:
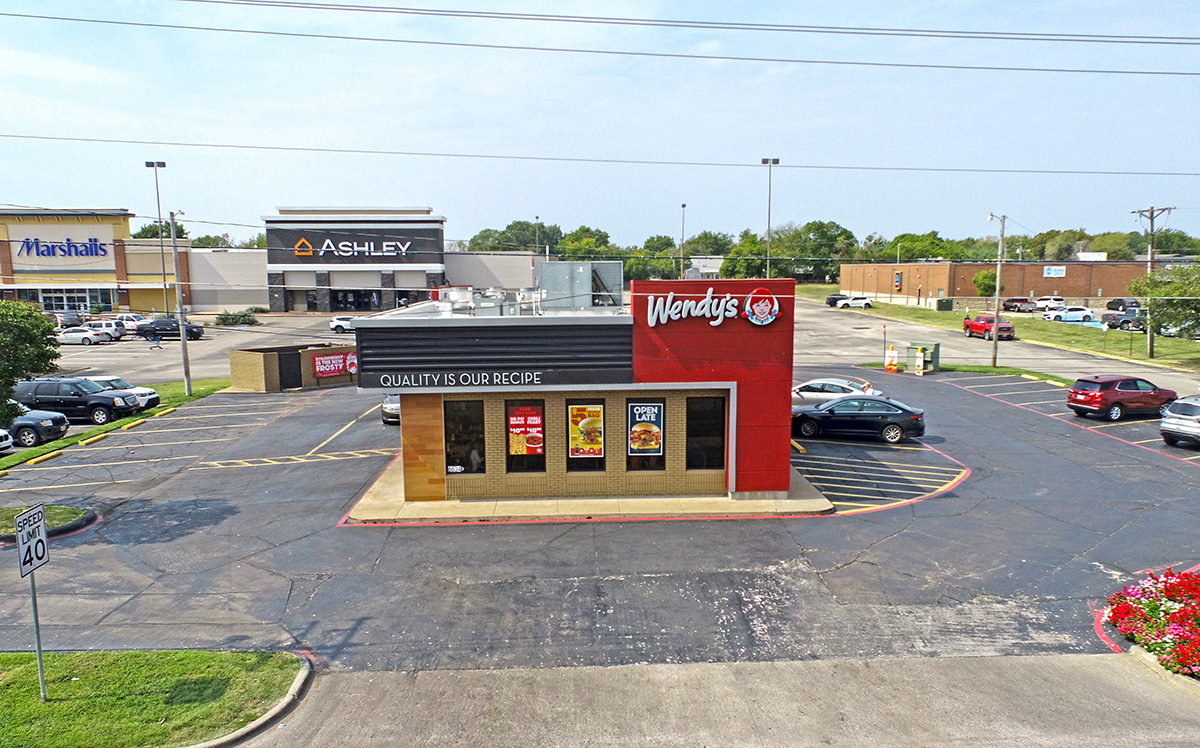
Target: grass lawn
[56, 516]
[137, 699]
[816, 291]
[1177, 353]
[982, 369]
[170, 395]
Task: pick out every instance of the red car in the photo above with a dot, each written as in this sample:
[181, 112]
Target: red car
[982, 326]
[1114, 395]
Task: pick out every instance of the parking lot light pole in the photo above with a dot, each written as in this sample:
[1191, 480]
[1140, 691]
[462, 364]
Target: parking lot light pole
[162, 252]
[996, 314]
[187, 369]
[769, 162]
[682, 234]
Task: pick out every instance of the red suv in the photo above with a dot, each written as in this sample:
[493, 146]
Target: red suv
[1113, 395]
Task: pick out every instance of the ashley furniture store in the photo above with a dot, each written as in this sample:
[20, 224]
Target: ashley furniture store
[686, 396]
[353, 259]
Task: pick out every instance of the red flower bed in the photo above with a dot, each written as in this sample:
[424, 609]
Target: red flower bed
[1163, 615]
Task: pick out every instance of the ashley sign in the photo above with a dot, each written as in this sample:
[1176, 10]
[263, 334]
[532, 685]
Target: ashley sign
[759, 307]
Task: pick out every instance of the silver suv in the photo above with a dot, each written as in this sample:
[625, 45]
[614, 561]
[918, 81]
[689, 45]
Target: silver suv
[1181, 422]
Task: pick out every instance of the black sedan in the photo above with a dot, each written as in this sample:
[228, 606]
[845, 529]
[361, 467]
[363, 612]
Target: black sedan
[859, 415]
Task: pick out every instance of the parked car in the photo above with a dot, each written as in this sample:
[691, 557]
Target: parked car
[342, 323]
[816, 391]
[80, 336]
[169, 328]
[146, 396]
[833, 298]
[133, 322]
[1019, 304]
[1181, 422]
[1114, 395]
[70, 319]
[1069, 314]
[109, 329]
[75, 397]
[854, 302]
[983, 325]
[33, 427]
[390, 409]
[859, 415]
[1049, 302]
[6, 441]
[1133, 318]
[1121, 305]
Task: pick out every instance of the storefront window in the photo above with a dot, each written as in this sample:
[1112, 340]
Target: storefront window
[525, 423]
[705, 433]
[464, 437]
[29, 294]
[585, 435]
[644, 435]
[355, 301]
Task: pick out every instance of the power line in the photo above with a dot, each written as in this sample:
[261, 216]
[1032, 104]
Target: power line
[610, 52]
[717, 25]
[601, 161]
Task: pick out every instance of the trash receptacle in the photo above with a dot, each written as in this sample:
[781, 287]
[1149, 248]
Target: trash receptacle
[933, 356]
[945, 305]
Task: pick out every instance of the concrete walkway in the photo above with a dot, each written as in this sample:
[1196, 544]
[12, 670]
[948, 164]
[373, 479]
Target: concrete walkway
[1062, 700]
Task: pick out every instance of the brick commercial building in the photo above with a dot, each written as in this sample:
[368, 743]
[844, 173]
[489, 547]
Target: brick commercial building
[924, 282]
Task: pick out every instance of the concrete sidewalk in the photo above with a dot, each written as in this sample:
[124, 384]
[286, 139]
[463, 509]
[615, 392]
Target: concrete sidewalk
[1060, 700]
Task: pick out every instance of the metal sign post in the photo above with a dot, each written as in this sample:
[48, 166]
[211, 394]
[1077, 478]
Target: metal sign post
[32, 552]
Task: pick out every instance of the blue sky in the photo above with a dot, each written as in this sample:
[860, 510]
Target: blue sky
[87, 81]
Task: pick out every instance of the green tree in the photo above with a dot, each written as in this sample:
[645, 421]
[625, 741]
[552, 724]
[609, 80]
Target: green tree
[910, 247]
[212, 241]
[150, 231]
[1172, 297]
[27, 346]
[257, 242]
[812, 251]
[746, 259]
[600, 238]
[985, 282]
[1065, 244]
[1118, 245]
[657, 244]
[709, 243]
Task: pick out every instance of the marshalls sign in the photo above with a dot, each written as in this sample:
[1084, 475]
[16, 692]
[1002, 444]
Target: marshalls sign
[31, 539]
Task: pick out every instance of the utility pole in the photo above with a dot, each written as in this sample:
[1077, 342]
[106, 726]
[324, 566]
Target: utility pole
[1150, 213]
[996, 314]
[769, 162]
[187, 369]
[682, 234]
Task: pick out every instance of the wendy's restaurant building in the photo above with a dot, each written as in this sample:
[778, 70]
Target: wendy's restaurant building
[676, 404]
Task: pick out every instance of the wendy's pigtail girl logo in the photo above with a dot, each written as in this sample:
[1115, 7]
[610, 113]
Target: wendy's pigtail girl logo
[760, 307]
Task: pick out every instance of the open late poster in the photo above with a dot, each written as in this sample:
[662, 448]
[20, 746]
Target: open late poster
[525, 432]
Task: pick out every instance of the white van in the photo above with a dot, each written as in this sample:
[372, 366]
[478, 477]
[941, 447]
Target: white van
[1045, 303]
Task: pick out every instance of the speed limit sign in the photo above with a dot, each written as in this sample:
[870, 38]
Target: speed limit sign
[31, 539]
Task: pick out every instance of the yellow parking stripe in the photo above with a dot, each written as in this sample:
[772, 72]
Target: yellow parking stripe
[1057, 384]
[143, 432]
[104, 464]
[1124, 423]
[58, 486]
[1147, 441]
[1021, 392]
[139, 445]
[857, 461]
[348, 425]
[226, 415]
[1194, 457]
[1046, 402]
[981, 376]
[997, 384]
[293, 459]
[883, 483]
[829, 494]
[880, 445]
[855, 503]
[234, 405]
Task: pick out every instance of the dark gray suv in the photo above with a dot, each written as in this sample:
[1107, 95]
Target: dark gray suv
[33, 427]
[75, 397]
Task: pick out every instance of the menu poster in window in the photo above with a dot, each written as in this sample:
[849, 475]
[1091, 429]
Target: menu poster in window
[645, 428]
[587, 430]
[525, 434]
